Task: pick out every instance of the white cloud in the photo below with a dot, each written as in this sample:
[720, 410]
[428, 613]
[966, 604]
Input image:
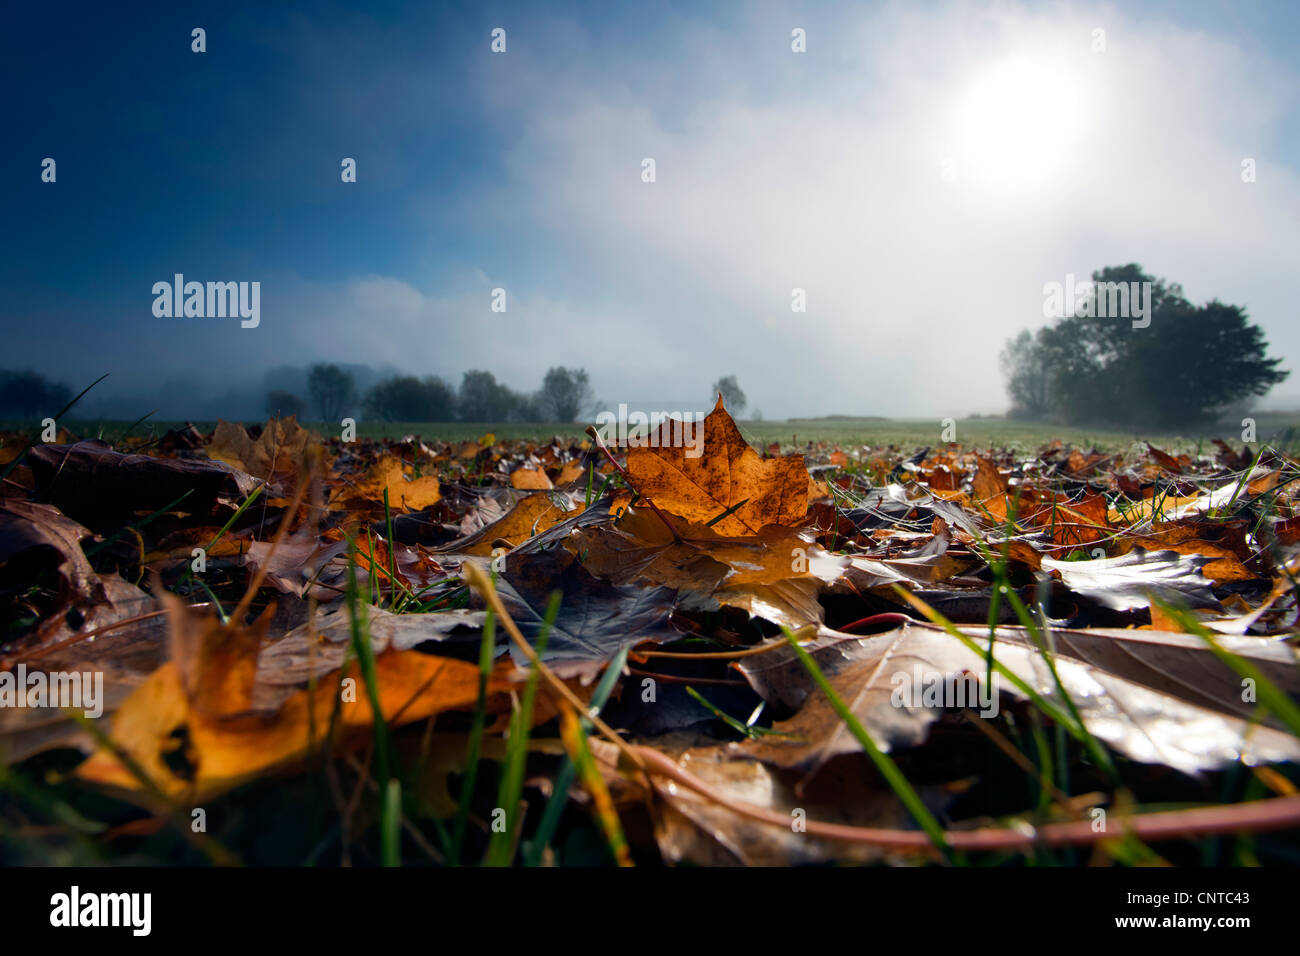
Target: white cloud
[834, 185]
[824, 171]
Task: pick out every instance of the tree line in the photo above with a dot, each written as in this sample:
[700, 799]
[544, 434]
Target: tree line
[1190, 364]
[26, 394]
[564, 396]
[331, 393]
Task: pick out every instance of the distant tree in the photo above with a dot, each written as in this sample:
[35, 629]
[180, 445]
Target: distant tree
[280, 404]
[332, 391]
[1029, 379]
[565, 394]
[527, 409]
[28, 394]
[405, 398]
[1187, 366]
[732, 396]
[286, 378]
[483, 399]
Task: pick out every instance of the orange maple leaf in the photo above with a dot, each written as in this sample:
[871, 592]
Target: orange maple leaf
[727, 479]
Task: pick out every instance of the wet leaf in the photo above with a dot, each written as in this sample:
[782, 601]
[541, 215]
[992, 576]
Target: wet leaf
[1154, 696]
[596, 618]
[1131, 580]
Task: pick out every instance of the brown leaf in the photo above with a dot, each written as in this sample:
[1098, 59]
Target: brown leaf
[531, 478]
[192, 729]
[124, 656]
[388, 474]
[89, 481]
[571, 471]
[532, 515]
[216, 662]
[1165, 460]
[989, 482]
[727, 473]
[692, 829]
[34, 535]
[275, 455]
[1184, 539]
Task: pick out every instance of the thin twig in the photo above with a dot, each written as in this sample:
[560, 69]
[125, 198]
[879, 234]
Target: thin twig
[78, 638]
[1278, 813]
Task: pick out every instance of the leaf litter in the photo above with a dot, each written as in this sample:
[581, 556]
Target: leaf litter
[851, 654]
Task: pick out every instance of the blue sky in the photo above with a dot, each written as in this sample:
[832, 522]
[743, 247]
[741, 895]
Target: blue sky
[775, 170]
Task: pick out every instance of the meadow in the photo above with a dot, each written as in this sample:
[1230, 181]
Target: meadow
[1281, 429]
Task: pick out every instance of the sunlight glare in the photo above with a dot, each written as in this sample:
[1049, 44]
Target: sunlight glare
[1018, 125]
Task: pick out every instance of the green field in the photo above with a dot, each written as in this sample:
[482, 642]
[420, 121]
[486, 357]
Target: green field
[1279, 428]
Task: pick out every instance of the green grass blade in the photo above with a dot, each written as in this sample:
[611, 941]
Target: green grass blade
[366, 662]
[486, 651]
[391, 825]
[501, 846]
[884, 764]
[568, 772]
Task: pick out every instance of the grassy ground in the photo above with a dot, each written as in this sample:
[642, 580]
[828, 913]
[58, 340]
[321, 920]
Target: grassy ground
[47, 816]
[1279, 428]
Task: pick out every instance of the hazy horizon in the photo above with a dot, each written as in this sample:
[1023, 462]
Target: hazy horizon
[920, 172]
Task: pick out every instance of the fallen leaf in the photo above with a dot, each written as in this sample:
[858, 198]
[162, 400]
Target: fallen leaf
[531, 478]
[90, 482]
[729, 478]
[1131, 580]
[276, 455]
[1156, 697]
[596, 619]
[388, 474]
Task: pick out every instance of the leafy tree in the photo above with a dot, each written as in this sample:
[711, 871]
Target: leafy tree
[405, 398]
[1187, 366]
[565, 393]
[332, 391]
[732, 395]
[28, 394]
[483, 399]
[281, 403]
[286, 378]
[1029, 380]
[527, 408]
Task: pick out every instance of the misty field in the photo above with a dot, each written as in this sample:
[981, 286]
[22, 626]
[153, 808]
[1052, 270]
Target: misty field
[907, 434]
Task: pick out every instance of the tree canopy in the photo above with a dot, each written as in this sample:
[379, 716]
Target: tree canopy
[483, 399]
[405, 398]
[280, 402]
[28, 394]
[565, 393]
[332, 391]
[733, 397]
[1188, 365]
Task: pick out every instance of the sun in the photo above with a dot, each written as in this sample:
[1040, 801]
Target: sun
[1018, 125]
